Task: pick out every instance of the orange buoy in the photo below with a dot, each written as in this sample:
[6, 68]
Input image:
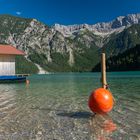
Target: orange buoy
[27, 82]
[101, 101]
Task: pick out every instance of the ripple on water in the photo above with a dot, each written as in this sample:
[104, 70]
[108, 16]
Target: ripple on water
[55, 107]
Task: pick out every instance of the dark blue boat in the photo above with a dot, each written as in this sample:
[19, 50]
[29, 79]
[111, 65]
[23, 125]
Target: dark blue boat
[12, 79]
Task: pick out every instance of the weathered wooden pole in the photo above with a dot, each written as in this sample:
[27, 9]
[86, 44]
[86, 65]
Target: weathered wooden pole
[103, 70]
[101, 100]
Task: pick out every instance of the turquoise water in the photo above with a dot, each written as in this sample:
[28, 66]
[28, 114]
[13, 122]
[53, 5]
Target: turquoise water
[54, 107]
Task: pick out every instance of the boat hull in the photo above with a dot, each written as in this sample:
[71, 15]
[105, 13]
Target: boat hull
[12, 79]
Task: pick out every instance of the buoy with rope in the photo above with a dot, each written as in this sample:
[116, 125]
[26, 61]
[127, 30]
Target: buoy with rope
[101, 100]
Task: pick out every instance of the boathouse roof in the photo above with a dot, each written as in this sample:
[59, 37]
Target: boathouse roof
[8, 49]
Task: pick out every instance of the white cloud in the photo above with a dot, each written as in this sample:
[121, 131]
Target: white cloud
[18, 13]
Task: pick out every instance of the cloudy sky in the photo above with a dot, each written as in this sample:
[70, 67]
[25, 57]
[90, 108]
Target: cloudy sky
[70, 11]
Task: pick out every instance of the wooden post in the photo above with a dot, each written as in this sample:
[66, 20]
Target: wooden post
[103, 70]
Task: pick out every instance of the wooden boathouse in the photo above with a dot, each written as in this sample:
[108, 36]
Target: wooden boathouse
[7, 65]
[7, 59]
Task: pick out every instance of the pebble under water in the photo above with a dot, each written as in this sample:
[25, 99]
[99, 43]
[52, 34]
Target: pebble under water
[54, 107]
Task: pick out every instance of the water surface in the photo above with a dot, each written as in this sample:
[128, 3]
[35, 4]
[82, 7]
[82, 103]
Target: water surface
[54, 107]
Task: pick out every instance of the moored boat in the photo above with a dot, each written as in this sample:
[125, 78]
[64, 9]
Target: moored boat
[12, 78]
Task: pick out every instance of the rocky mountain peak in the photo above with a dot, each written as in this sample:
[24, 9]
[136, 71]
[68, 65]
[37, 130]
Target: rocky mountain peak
[60, 45]
[101, 29]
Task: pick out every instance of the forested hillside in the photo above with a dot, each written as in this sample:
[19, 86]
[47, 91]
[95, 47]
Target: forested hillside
[126, 61]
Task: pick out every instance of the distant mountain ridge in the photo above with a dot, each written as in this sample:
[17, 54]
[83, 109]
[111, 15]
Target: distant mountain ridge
[69, 48]
[103, 28]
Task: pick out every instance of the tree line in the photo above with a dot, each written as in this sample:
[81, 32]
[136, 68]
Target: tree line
[126, 61]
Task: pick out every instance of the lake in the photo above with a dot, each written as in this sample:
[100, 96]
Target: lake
[54, 107]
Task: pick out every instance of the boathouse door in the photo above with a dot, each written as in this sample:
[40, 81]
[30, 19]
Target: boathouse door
[7, 64]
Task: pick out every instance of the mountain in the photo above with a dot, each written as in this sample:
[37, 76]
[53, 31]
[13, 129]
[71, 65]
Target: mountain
[123, 41]
[72, 47]
[102, 29]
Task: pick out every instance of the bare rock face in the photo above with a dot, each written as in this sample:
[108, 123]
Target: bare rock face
[33, 36]
[101, 28]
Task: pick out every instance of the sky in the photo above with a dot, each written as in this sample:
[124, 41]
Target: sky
[69, 12]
